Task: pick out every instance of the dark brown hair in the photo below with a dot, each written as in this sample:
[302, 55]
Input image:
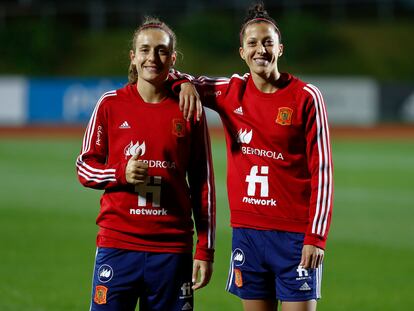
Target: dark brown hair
[149, 22]
[258, 14]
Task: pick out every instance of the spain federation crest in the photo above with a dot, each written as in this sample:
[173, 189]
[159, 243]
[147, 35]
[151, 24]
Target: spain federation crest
[100, 294]
[284, 117]
[238, 279]
[178, 127]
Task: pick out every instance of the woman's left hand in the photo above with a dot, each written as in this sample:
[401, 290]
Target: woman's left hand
[190, 101]
[205, 268]
[312, 257]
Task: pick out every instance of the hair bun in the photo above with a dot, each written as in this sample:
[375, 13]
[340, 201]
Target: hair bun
[257, 11]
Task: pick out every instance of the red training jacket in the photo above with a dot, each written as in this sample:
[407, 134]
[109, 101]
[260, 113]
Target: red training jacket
[279, 165]
[155, 216]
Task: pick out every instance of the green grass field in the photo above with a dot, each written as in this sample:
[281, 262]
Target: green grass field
[47, 228]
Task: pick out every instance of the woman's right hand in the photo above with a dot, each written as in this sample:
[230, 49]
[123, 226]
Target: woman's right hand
[136, 171]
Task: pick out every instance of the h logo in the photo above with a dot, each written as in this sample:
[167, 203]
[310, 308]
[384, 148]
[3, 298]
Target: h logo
[152, 188]
[186, 289]
[254, 179]
[302, 271]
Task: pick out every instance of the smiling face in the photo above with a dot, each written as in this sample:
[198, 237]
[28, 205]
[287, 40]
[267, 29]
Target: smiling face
[153, 55]
[261, 49]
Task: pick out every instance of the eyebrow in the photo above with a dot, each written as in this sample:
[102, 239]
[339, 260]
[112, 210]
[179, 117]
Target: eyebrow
[255, 38]
[148, 46]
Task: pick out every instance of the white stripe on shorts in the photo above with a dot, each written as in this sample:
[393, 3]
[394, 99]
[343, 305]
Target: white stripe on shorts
[93, 276]
[318, 281]
[231, 273]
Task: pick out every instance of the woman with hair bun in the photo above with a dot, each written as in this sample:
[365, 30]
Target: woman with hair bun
[279, 173]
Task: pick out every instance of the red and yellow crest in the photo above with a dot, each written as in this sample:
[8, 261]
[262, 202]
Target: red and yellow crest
[178, 127]
[284, 117]
[100, 294]
[238, 280]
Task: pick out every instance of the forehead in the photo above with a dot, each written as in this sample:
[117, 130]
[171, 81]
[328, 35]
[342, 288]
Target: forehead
[260, 30]
[153, 37]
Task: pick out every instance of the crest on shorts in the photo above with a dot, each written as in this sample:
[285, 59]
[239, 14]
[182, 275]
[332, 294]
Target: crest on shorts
[100, 294]
[284, 116]
[238, 279]
[105, 273]
[178, 127]
[238, 257]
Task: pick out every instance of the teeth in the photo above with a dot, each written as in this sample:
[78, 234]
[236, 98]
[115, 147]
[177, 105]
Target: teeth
[261, 62]
[151, 68]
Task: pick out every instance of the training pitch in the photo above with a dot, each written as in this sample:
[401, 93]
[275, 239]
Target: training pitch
[47, 226]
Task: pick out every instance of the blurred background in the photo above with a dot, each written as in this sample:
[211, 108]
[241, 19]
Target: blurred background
[58, 57]
[358, 52]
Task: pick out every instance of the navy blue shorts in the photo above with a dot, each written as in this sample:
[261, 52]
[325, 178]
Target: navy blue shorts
[265, 265]
[160, 281]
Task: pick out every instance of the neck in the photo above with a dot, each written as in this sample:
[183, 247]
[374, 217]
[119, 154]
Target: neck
[151, 93]
[266, 83]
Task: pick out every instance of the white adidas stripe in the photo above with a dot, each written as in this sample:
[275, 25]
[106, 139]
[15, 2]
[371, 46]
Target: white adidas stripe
[204, 80]
[98, 180]
[97, 170]
[95, 175]
[320, 208]
[325, 159]
[209, 82]
[329, 161]
[211, 231]
[325, 170]
[84, 170]
[91, 125]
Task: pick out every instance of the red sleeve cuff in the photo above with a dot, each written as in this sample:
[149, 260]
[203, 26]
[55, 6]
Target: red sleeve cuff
[175, 86]
[206, 254]
[315, 240]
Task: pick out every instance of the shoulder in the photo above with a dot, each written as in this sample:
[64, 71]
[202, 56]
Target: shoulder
[243, 78]
[305, 90]
[237, 83]
[313, 94]
[113, 96]
[106, 98]
[238, 79]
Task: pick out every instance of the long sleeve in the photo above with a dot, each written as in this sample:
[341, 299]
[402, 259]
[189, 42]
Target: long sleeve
[92, 167]
[201, 182]
[320, 164]
[211, 90]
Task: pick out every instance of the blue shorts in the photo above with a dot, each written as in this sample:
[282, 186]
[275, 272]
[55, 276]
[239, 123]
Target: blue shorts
[160, 281]
[265, 265]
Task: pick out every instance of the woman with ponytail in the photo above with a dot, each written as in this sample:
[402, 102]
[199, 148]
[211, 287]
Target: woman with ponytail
[156, 170]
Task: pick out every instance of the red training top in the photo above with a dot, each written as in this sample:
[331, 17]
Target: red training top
[279, 165]
[154, 216]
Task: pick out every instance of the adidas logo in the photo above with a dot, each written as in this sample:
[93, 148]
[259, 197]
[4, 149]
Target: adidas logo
[239, 110]
[187, 306]
[305, 286]
[124, 125]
